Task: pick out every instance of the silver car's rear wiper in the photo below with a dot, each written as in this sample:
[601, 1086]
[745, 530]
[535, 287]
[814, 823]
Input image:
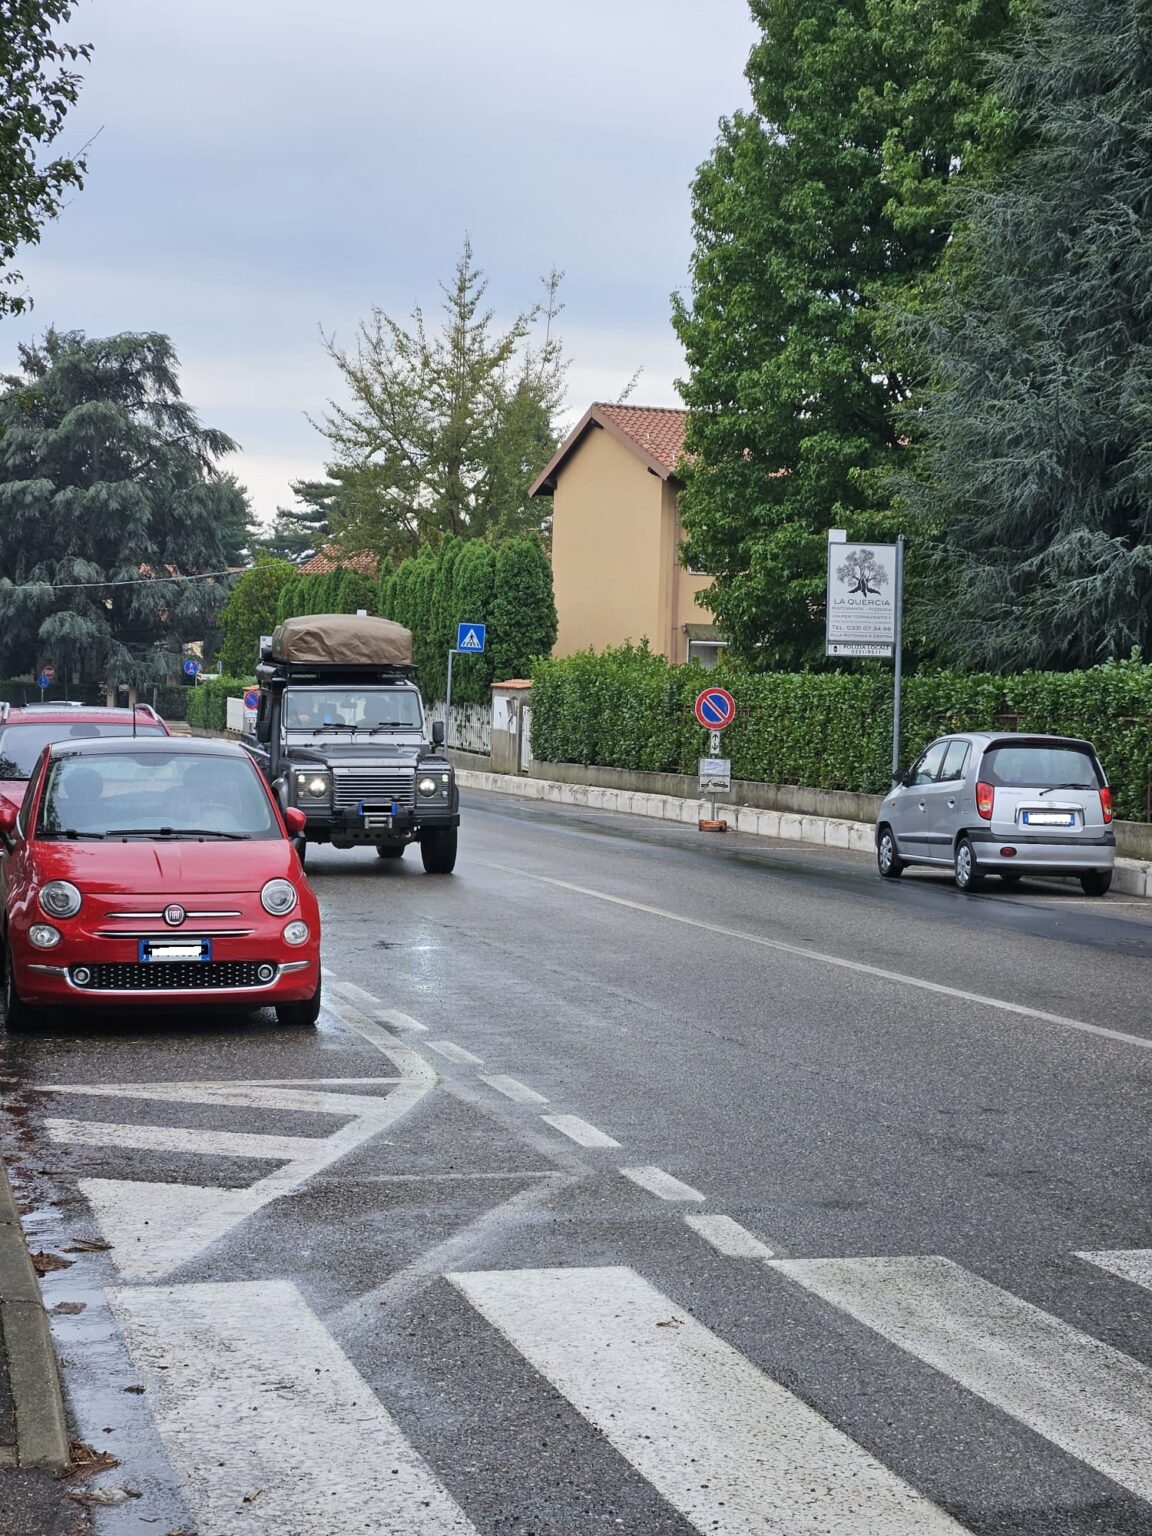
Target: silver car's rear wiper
[175, 832]
[1047, 790]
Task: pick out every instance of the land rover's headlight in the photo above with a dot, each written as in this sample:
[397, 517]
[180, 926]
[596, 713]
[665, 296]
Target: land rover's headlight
[427, 786]
[313, 786]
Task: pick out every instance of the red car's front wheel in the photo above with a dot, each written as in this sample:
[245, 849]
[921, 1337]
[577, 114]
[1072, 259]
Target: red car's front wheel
[17, 1014]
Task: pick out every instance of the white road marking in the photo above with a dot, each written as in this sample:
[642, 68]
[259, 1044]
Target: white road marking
[730, 1449]
[1086, 1397]
[579, 1131]
[242, 1095]
[453, 1052]
[154, 1227]
[512, 1088]
[178, 1138]
[356, 994]
[822, 958]
[400, 1020]
[1134, 1264]
[661, 1184]
[269, 1425]
[727, 1236]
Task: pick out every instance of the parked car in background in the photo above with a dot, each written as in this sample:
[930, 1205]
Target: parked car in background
[26, 729]
[1002, 804]
[154, 872]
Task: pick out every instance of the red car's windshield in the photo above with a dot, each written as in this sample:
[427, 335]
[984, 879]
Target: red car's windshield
[155, 795]
[20, 745]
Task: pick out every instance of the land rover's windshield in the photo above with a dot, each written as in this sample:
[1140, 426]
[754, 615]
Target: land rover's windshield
[352, 709]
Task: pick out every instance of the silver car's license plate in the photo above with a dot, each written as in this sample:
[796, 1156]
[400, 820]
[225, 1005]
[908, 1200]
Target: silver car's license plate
[1048, 818]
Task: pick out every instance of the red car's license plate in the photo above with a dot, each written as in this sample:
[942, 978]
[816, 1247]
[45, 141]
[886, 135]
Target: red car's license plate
[175, 949]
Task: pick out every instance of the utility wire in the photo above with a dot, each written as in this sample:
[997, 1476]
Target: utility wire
[139, 581]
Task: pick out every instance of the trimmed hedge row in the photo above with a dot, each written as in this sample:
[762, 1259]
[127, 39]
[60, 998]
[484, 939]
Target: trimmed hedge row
[208, 702]
[625, 708]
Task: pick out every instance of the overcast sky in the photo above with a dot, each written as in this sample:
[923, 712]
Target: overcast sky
[265, 168]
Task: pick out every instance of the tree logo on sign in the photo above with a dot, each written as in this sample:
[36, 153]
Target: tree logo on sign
[863, 573]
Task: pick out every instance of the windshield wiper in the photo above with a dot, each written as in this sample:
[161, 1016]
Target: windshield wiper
[174, 832]
[69, 832]
[1047, 790]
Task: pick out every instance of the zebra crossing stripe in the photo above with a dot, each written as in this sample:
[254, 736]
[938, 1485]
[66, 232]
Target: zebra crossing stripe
[1086, 1397]
[726, 1446]
[172, 1138]
[268, 1424]
[1134, 1264]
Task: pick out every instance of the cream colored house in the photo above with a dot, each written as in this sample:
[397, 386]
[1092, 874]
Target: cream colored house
[616, 536]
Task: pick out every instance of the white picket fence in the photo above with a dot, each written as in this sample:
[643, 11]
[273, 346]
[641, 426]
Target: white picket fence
[470, 728]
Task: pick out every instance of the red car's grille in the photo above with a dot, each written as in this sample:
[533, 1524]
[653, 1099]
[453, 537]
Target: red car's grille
[179, 976]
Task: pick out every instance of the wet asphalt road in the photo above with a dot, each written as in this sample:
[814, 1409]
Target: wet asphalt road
[623, 1083]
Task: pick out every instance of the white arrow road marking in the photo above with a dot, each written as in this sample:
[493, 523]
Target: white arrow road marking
[154, 1227]
[256, 1395]
[1086, 1397]
[725, 1445]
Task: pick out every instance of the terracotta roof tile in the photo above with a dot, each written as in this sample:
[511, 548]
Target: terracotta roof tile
[331, 559]
[658, 429]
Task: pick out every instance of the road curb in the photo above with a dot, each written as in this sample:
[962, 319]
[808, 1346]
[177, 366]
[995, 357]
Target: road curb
[41, 1427]
[1132, 877]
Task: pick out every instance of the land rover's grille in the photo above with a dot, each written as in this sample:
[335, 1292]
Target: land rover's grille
[175, 976]
[374, 788]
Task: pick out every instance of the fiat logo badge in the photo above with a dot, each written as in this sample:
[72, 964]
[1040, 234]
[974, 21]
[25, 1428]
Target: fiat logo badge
[174, 915]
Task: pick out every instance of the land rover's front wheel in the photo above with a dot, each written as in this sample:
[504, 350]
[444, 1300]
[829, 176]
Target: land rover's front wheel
[438, 850]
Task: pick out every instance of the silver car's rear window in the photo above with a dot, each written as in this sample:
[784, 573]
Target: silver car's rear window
[1035, 765]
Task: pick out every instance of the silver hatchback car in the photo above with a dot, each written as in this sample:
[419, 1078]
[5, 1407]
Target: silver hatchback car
[1001, 804]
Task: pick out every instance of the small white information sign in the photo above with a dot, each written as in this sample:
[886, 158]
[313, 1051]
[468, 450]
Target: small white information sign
[861, 614]
[715, 775]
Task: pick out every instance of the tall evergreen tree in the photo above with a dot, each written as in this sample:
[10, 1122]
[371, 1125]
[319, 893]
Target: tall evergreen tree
[444, 430]
[1038, 423]
[473, 588]
[251, 611]
[109, 490]
[828, 196]
[523, 608]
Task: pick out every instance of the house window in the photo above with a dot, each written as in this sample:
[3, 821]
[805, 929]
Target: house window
[706, 652]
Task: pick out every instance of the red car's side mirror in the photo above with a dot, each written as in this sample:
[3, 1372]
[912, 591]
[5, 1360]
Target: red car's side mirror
[8, 815]
[294, 819]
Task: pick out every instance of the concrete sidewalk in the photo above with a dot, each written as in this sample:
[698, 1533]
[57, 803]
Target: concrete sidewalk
[1133, 877]
[33, 1431]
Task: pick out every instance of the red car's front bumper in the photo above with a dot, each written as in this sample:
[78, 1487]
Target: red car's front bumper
[253, 970]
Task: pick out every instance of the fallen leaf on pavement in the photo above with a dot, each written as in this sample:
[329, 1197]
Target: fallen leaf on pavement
[134, 1389]
[45, 1263]
[69, 1308]
[88, 1245]
[83, 1460]
[105, 1496]
[671, 1322]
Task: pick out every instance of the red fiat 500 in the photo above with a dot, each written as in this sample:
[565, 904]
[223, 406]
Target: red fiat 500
[152, 873]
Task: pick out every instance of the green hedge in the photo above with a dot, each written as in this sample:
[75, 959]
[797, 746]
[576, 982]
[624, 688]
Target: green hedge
[626, 708]
[208, 702]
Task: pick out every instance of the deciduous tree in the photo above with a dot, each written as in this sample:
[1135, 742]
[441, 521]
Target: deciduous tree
[251, 611]
[832, 193]
[38, 84]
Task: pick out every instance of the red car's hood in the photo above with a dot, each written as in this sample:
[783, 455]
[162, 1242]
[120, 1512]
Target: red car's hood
[140, 868]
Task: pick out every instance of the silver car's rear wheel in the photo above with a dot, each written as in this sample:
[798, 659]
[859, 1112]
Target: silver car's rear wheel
[888, 861]
[968, 877]
[1096, 882]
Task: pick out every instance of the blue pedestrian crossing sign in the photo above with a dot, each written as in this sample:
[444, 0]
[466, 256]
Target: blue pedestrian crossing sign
[471, 637]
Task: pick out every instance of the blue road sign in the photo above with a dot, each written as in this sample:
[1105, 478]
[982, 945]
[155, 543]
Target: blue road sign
[43, 680]
[471, 637]
[191, 667]
[252, 699]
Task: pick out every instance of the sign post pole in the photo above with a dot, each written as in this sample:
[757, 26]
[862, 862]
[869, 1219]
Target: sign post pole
[448, 705]
[715, 709]
[898, 671]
